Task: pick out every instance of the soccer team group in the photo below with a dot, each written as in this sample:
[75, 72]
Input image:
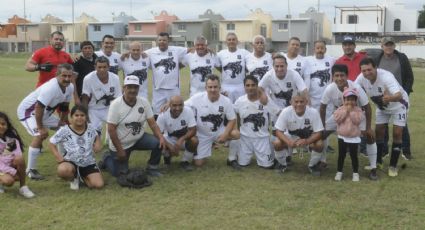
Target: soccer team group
[262, 104]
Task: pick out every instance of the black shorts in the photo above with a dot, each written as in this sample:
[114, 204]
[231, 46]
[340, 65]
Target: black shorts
[85, 171]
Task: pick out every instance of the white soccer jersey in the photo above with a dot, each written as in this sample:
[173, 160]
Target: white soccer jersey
[258, 66]
[317, 77]
[210, 115]
[49, 94]
[130, 120]
[299, 126]
[232, 65]
[385, 83]
[165, 66]
[333, 97]
[138, 68]
[298, 64]
[254, 117]
[176, 127]
[101, 94]
[199, 67]
[114, 60]
[281, 91]
[78, 147]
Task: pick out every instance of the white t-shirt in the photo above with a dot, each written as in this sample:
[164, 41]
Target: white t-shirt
[165, 66]
[210, 115]
[199, 67]
[138, 68]
[176, 127]
[49, 94]
[385, 82]
[333, 96]
[101, 94]
[281, 91]
[130, 120]
[299, 126]
[254, 116]
[78, 147]
[317, 77]
[298, 64]
[232, 65]
[114, 60]
[258, 66]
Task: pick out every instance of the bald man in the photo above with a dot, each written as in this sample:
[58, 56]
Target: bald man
[136, 65]
[178, 125]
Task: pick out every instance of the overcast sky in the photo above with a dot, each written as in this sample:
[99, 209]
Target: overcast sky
[184, 9]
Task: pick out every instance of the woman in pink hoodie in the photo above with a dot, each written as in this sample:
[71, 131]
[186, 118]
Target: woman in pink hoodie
[348, 118]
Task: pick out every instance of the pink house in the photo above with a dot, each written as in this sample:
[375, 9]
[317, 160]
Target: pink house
[149, 29]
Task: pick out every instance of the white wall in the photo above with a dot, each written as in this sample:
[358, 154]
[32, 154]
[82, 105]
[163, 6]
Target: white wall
[407, 17]
[412, 51]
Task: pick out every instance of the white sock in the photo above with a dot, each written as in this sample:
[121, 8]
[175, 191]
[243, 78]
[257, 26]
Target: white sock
[371, 154]
[33, 154]
[281, 155]
[315, 158]
[187, 156]
[233, 150]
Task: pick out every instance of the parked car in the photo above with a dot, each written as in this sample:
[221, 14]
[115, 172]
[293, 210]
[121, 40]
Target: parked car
[372, 52]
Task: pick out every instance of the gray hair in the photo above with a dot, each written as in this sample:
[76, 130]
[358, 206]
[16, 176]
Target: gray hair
[258, 36]
[200, 38]
[62, 67]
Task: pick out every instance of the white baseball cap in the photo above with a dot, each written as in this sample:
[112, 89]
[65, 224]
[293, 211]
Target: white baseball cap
[131, 80]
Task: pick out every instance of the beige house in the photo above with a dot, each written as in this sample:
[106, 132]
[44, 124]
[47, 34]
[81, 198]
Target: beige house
[76, 32]
[263, 22]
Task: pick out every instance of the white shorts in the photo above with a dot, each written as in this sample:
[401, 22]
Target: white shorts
[398, 118]
[98, 118]
[161, 96]
[233, 91]
[31, 125]
[204, 148]
[260, 146]
[330, 124]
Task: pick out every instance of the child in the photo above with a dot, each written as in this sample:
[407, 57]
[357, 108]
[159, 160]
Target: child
[12, 164]
[348, 118]
[79, 141]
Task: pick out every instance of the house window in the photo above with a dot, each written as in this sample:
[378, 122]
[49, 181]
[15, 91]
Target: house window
[263, 30]
[352, 19]
[97, 28]
[397, 25]
[230, 26]
[283, 26]
[59, 28]
[214, 32]
[182, 27]
[138, 27]
[24, 29]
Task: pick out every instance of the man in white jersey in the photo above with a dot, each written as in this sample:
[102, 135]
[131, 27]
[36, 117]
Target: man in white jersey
[108, 45]
[392, 103]
[300, 126]
[126, 121]
[253, 111]
[201, 63]
[165, 63]
[333, 98]
[100, 87]
[259, 62]
[293, 58]
[36, 113]
[211, 108]
[178, 125]
[137, 65]
[231, 64]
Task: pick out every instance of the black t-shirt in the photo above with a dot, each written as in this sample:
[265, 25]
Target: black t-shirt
[83, 67]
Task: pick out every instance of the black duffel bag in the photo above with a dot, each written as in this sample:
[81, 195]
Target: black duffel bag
[134, 178]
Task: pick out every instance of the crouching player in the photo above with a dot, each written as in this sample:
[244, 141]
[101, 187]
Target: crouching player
[79, 141]
[178, 125]
[300, 126]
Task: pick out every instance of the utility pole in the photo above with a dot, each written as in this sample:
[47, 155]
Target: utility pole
[25, 28]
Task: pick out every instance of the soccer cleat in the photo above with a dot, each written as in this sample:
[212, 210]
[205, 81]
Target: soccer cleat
[373, 175]
[33, 174]
[392, 171]
[338, 176]
[26, 192]
[356, 177]
[281, 168]
[314, 170]
[74, 184]
[234, 164]
[153, 172]
[186, 166]
[368, 167]
[407, 156]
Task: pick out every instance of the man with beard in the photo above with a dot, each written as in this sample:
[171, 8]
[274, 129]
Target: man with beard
[351, 58]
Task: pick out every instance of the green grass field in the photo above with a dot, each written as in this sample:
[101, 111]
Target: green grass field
[216, 197]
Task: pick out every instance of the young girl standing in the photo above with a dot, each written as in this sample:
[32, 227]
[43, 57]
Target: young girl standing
[12, 164]
[348, 118]
[79, 141]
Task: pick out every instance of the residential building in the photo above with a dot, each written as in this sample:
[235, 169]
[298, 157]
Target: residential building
[96, 31]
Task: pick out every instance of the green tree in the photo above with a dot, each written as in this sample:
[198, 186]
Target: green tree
[421, 18]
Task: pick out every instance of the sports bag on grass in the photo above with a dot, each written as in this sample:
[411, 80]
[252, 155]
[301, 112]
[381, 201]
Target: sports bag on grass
[135, 178]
